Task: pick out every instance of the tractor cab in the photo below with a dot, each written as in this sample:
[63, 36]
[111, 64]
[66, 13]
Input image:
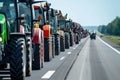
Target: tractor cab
[11, 12]
[62, 24]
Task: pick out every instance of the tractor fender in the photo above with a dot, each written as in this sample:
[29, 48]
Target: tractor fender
[16, 34]
[36, 36]
[46, 29]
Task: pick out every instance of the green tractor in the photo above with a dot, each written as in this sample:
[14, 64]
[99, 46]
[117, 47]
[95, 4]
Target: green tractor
[15, 38]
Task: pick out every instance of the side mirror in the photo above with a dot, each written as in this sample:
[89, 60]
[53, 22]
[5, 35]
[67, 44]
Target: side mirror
[1, 29]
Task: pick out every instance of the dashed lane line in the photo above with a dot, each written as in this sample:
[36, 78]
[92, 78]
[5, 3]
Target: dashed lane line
[62, 58]
[48, 74]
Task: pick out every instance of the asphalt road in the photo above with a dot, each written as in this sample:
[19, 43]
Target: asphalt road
[96, 61]
[56, 69]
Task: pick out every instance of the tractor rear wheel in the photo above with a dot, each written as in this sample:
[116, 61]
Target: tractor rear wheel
[17, 49]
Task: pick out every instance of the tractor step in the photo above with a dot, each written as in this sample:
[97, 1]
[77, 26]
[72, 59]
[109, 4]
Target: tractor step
[5, 74]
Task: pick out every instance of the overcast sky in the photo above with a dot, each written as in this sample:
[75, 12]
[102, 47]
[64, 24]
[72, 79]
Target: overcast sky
[89, 12]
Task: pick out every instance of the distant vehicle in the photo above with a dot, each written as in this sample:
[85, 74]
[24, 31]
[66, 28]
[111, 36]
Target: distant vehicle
[93, 35]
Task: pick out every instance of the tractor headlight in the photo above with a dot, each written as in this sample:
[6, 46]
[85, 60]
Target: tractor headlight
[0, 39]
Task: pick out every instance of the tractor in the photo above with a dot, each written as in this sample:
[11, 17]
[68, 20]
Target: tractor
[61, 25]
[54, 32]
[15, 38]
[77, 29]
[38, 35]
[68, 29]
[42, 18]
[66, 36]
[21, 39]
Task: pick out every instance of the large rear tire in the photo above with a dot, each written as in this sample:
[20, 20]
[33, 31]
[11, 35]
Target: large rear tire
[62, 44]
[57, 44]
[36, 57]
[28, 56]
[77, 39]
[47, 49]
[71, 39]
[17, 49]
[53, 46]
[67, 41]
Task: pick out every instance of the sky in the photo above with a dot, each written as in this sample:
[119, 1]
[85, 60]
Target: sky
[89, 12]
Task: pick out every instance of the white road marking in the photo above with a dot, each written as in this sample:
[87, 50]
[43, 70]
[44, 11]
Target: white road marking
[74, 48]
[62, 58]
[109, 46]
[48, 74]
[69, 53]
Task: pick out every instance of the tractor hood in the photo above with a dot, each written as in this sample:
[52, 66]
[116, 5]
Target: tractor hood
[2, 18]
[3, 29]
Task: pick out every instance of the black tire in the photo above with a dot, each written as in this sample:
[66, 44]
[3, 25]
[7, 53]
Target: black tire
[17, 49]
[36, 57]
[53, 46]
[47, 52]
[57, 44]
[67, 41]
[28, 56]
[71, 39]
[77, 39]
[62, 44]
[42, 51]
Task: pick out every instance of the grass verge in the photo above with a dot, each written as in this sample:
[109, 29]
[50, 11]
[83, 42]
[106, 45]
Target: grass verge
[114, 39]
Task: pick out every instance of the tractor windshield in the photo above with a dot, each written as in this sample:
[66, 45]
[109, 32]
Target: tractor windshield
[53, 23]
[61, 24]
[68, 24]
[38, 12]
[7, 7]
[25, 13]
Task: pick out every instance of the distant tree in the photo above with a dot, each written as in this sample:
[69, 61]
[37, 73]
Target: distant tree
[113, 28]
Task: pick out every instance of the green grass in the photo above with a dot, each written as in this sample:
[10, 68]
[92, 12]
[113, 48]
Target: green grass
[114, 39]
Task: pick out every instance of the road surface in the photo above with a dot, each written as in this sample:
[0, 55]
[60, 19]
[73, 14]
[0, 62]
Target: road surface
[56, 69]
[96, 61]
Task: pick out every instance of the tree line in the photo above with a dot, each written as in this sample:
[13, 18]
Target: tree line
[113, 28]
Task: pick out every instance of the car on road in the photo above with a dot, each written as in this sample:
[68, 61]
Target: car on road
[93, 35]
